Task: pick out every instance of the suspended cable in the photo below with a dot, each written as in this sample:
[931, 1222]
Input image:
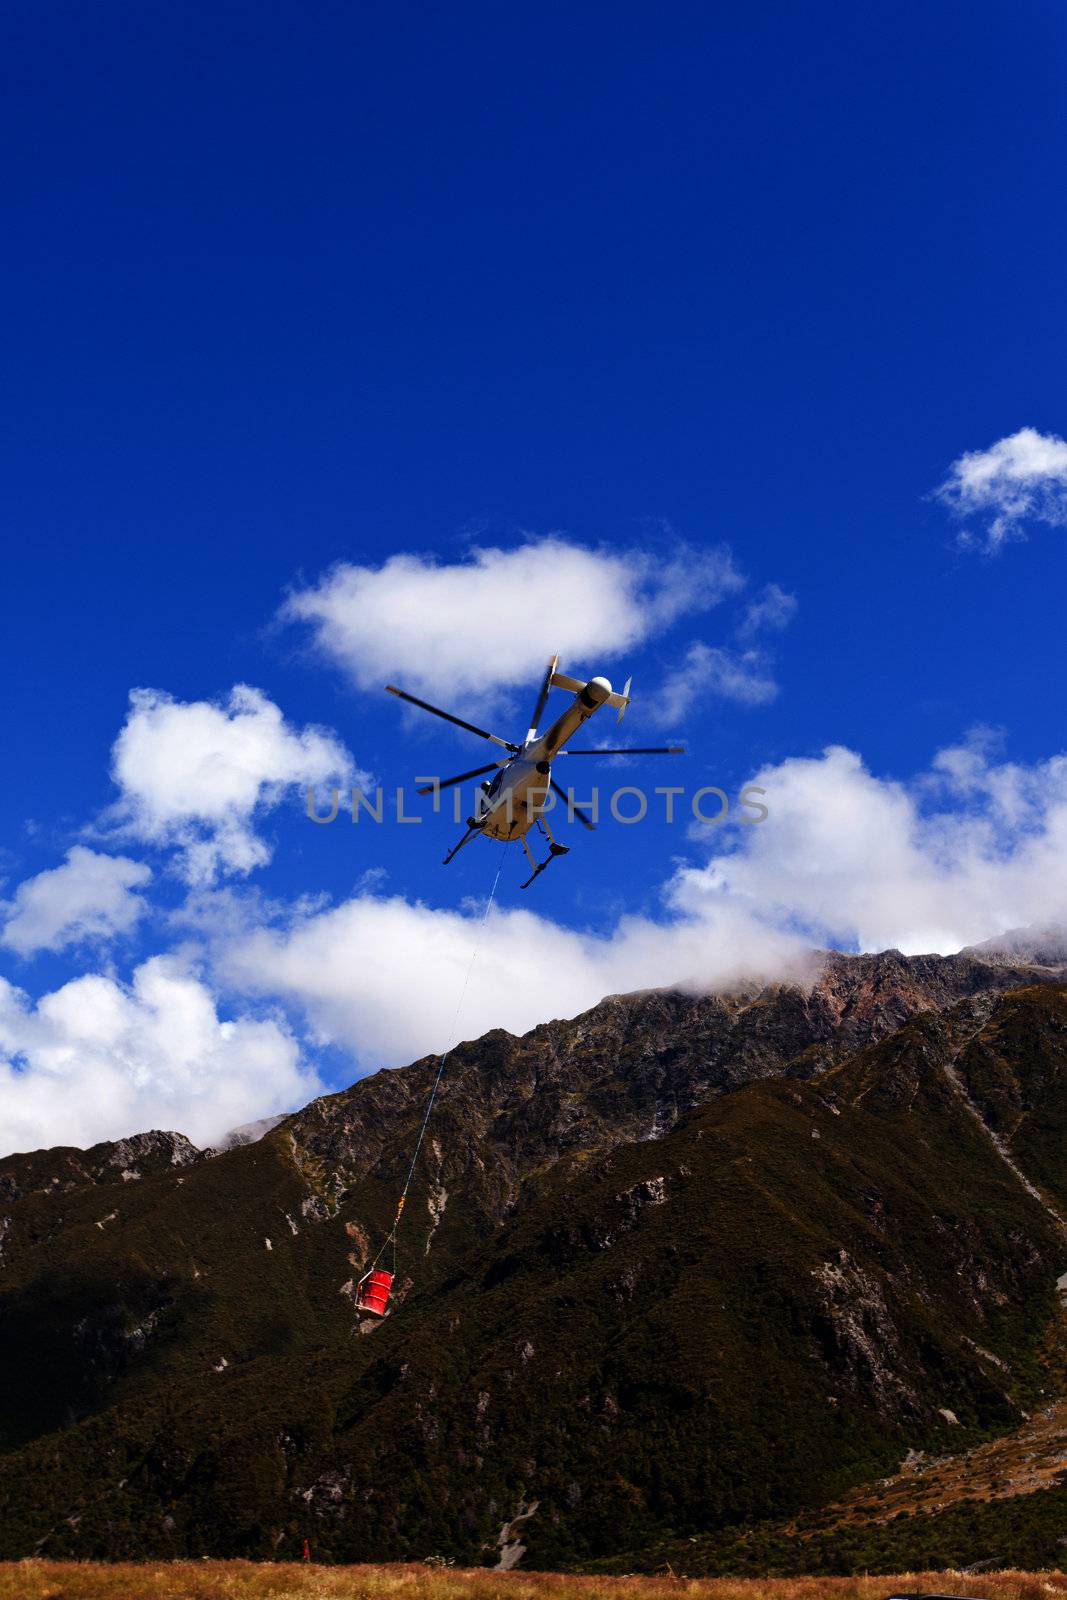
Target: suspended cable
[390, 1238]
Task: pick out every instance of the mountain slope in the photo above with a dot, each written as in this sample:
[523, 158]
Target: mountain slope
[633, 1293]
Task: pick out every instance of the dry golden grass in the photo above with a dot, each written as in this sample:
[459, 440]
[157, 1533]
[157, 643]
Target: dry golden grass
[249, 1580]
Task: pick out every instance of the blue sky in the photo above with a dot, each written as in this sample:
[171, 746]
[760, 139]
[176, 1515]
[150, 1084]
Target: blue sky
[288, 288]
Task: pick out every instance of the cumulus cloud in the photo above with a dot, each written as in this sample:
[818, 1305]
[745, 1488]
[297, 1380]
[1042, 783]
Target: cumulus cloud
[708, 671]
[91, 896]
[198, 775]
[99, 1060]
[968, 850]
[490, 622]
[380, 976]
[1021, 478]
[772, 610]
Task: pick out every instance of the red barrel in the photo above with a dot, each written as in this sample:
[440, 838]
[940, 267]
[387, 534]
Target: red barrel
[374, 1292]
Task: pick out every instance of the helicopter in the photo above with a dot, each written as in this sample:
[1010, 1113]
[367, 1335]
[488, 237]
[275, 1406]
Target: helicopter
[512, 803]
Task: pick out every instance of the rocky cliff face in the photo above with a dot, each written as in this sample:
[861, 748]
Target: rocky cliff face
[648, 1251]
[623, 1072]
[124, 1160]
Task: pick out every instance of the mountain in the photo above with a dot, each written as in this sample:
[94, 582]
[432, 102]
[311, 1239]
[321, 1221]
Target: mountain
[249, 1132]
[679, 1269]
[1035, 947]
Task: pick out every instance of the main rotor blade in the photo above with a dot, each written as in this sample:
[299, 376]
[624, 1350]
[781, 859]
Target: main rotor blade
[572, 809]
[553, 663]
[446, 783]
[424, 705]
[635, 750]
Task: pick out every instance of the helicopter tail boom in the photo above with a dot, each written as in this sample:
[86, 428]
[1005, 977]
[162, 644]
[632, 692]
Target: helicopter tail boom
[619, 702]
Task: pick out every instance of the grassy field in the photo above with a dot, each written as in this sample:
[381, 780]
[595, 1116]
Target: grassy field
[249, 1580]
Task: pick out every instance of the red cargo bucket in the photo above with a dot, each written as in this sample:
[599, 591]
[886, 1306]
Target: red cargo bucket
[373, 1293]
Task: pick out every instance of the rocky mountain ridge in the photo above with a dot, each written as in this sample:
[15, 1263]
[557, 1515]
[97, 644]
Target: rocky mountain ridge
[628, 1069]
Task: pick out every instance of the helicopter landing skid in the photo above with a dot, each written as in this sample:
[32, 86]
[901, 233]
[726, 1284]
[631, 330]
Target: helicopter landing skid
[554, 850]
[472, 831]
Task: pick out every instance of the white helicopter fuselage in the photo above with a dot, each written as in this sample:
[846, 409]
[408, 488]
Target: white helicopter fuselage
[512, 801]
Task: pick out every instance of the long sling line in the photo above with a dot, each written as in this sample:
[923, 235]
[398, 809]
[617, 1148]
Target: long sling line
[390, 1238]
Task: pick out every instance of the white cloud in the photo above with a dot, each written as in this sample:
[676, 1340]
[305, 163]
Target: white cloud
[97, 1060]
[711, 672]
[772, 610]
[1021, 477]
[381, 976]
[198, 775]
[969, 850]
[91, 896]
[492, 621]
